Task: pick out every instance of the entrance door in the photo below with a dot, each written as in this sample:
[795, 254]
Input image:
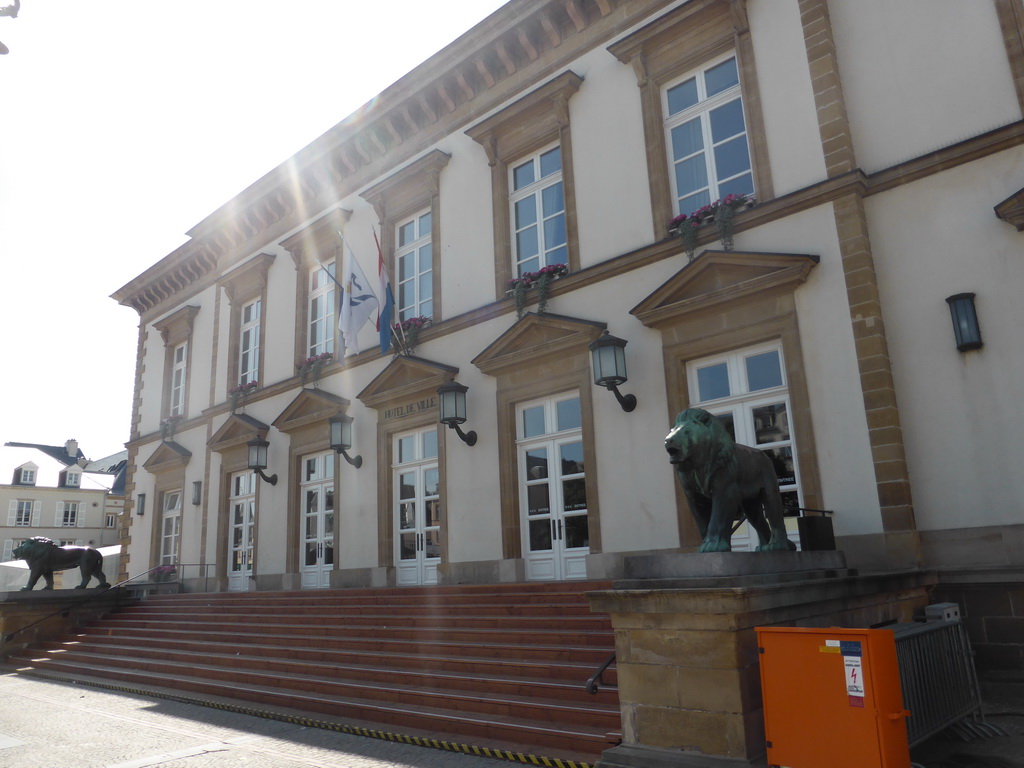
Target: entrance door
[552, 489]
[317, 534]
[417, 508]
[242, 533]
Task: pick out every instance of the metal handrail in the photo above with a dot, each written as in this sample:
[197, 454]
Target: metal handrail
[93, 596]
[597, 677]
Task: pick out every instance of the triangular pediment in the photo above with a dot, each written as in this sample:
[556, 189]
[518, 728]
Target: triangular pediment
[169, 455]
[310, 406]
[717, 278]
[405, 377]
[534, 338]
[237, 430]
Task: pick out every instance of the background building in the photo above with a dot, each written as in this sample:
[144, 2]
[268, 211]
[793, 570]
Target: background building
[882, 145]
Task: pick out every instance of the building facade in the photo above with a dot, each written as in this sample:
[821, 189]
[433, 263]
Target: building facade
[871, 155]
[54, 491]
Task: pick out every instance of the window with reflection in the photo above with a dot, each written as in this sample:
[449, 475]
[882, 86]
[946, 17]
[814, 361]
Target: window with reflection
[417, 495]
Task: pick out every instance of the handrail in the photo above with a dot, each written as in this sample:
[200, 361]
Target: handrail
[597, 677]
[93, 596]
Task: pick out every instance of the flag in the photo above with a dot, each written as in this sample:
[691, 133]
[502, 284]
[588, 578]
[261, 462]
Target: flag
[385, 313]
[357, 302]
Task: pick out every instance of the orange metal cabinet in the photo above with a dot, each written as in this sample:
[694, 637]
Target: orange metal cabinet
[832, 698]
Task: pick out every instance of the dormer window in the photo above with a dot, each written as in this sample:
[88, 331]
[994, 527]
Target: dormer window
[73, 479]
[26, 476]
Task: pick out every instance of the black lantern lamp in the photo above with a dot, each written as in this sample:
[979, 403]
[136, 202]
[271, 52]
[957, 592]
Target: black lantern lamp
[452, 409]
[341, 438]
[965, 321]
[258, 458]
[608, 356]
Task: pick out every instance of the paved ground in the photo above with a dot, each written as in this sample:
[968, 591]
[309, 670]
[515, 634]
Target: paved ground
[46, 724]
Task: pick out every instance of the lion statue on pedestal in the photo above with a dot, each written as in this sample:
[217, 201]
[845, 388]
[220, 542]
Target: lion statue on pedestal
[723, 481]
[44, 557]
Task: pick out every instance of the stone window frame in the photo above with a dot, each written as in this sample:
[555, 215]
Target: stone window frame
[163, 496]
[313, 246]
[243, 286]
[168, 465]
[537, 120]
[662, 52]
[405, 193]
[176, 329]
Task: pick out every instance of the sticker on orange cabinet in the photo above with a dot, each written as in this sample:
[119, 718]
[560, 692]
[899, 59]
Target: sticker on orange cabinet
[853, 667]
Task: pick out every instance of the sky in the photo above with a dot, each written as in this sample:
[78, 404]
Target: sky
[123, 124]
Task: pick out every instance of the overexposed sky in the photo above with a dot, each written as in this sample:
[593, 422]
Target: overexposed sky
[123, 123]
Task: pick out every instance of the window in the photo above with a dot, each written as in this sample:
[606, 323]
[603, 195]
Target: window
[111, 521]
[707, 137]
[9, 546]
[170, 527]
[747, 391]
[27, 477]
[249, 343]
[179, 361]
[414, 255]
[21, 513]
[417, 496]
[176, 331]
[322, 280]
[73, 479]
[537, 203]
[703, 128]
[529, 148]
[67, 514]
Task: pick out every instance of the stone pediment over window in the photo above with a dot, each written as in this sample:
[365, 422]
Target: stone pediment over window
[536, 339]
[169, 455]
[310, 407]
[405, 378]
[237, 430]
[319, 241]
[177, 327]
[718, 278]
[1011, 210]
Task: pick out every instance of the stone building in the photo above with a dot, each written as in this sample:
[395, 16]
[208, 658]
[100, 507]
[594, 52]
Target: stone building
[874, 152]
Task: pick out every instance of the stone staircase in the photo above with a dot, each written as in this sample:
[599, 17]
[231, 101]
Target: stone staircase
[496, 666]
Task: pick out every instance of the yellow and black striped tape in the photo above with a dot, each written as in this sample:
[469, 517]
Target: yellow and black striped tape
[468, 749]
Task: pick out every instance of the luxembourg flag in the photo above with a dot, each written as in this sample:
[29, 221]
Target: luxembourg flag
[387, 297]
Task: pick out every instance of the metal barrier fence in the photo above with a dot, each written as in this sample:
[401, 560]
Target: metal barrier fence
[940, 687]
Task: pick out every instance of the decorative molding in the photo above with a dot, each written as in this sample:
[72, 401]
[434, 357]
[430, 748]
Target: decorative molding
[168, 456]
[535, 339]
[237, 430]
[1011, 210]
[310, 407]
[405, 378]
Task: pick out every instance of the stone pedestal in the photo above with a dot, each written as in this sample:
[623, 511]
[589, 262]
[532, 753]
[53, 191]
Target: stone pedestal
[687, 659]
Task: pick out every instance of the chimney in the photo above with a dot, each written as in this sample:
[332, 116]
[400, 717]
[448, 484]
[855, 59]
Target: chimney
[71, 449]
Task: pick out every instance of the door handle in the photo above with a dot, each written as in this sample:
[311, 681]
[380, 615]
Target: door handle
[559, 530]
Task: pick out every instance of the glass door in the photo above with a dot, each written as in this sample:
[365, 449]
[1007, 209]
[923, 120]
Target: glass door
[417, 508]
[242, 532]
[552, 489]
[317, 534]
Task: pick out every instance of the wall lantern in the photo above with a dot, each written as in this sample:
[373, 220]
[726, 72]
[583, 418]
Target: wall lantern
[965, 321]
[608, 356]
[197, 492]
[140, 504]
[452, 409]
[341, 438]
[258, 458]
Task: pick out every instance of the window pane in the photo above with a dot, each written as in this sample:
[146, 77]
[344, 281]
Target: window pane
[530, 265]
[433, 513]
[537, 499]
[426, 284]
[406, 449]
[741, 185]
[533, 421]
[732, 157]
[713, 382]
[551, 162]
[430, 482]
[720, 77]
[771, 423]
[537, 464]
[426, 258]
[407, 486]
[574, 494]
[682, 96]
[406, 267]
[691, 203]
[540, 535]
[432, 544]
[554, 232]
[426, 224]
[526, 212]
[552, 201]
[407, 546]
[726, 121]
[406, 233]
[782, 461]
[407, 515]
[687, 139]
[691, 176]
[728, 422]
[557, 256]
[763, 371]
[572, 458]
[577, 532]
[526, 244]
[430, 444]
[568, 414]
[523, 175]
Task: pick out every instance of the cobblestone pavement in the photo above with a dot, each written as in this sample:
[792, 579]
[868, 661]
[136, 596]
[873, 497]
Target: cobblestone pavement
[46, 724]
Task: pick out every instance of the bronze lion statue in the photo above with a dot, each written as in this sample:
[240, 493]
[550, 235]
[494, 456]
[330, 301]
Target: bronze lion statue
[44, 557]
[723, 481]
